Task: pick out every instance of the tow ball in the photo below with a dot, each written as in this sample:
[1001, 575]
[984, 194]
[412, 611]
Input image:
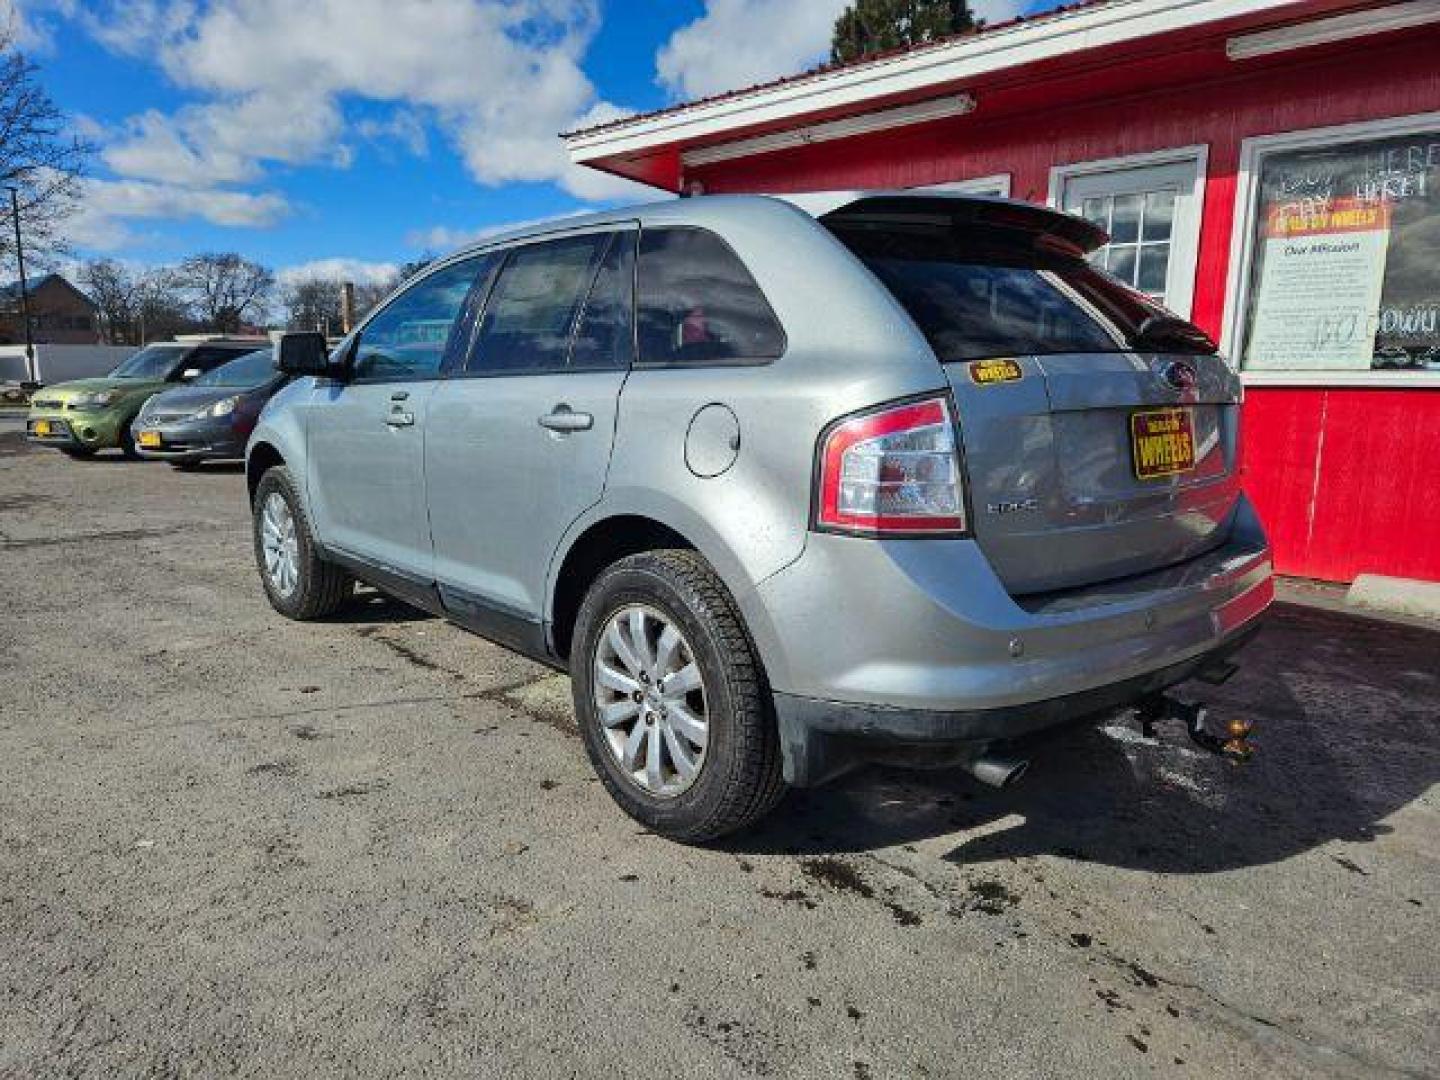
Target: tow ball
[1234, 744]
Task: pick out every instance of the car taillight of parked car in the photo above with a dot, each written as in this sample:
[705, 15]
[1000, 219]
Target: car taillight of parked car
[246, 413]
[892, 471]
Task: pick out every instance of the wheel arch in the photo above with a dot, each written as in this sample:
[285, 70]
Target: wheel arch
[263, 457]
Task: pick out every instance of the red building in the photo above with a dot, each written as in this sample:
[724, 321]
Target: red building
[1269, 169]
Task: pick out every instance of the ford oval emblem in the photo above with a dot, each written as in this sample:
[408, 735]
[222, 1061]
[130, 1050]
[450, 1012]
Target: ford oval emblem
[1179, 376]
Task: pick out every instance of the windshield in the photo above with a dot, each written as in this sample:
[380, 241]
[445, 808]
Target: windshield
[249, 370]
[151, 362]
[978, 293]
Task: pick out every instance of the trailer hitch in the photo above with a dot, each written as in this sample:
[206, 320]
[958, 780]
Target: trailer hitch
[1234, 744]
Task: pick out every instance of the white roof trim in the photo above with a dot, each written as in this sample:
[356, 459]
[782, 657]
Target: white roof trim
[1005, 47]
[881, 120]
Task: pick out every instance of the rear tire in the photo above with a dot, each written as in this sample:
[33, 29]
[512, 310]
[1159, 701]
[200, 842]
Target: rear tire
[299, 583]
[678, 596]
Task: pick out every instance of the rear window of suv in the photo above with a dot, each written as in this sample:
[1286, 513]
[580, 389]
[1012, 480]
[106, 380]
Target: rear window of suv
[978, 292]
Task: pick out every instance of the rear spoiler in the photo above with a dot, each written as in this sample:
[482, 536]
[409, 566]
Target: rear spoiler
[836, 207]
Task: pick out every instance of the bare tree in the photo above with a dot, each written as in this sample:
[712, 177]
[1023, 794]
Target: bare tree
[118, 292]
[313, 304]
[37, 155]
[223, 288]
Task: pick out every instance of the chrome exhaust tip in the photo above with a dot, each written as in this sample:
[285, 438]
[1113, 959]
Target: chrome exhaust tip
[996, 770]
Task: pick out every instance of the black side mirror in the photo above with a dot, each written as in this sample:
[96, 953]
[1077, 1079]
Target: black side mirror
[302, 352]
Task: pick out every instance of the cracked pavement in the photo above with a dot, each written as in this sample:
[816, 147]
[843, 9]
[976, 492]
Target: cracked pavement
[230, 844]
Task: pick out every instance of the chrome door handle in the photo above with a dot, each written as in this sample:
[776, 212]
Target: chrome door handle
[563, 418]
[400, 419]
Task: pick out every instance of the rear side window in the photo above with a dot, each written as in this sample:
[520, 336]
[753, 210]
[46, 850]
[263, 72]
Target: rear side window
[697, 304]
[977, 293]
[534, 303]
[605, 337]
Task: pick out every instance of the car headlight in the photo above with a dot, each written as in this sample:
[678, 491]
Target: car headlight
[223, 407]
[97, 400]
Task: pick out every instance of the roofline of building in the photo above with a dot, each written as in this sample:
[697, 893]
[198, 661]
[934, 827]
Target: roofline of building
[855, 86]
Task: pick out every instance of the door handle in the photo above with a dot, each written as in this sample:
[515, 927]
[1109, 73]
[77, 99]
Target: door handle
[564, 418]
[400, 419]
[400, 395]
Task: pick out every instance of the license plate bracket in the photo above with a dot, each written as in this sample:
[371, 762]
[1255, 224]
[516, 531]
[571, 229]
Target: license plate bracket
[1162, 442]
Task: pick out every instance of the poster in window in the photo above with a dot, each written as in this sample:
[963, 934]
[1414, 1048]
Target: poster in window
[1346, 273]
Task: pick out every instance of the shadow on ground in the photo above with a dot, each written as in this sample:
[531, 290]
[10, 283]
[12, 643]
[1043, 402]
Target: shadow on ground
[1347, 716]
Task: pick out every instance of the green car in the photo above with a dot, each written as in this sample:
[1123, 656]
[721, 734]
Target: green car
[87, 415]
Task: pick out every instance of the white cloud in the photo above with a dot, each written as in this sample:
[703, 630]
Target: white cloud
[737, 43]
[444, 238]
[105, 206]
[500, 79]
[359, 271]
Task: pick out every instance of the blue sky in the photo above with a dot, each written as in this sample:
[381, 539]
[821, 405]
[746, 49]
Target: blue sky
[352, 134]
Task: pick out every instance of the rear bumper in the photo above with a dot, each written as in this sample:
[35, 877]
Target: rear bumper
[822, 739]
[918, 641]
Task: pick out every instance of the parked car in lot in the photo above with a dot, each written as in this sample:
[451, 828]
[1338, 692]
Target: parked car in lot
[88, 415]
[901, 481]
[211, 418]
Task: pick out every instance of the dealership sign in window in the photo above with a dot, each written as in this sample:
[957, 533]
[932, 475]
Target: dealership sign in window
[1346, 270]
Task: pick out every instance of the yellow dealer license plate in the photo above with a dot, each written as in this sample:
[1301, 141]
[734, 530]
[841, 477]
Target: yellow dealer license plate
[149, 438]
[42, 427]
[1162, 442]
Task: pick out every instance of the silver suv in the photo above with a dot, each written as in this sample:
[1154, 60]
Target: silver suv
[783, 490]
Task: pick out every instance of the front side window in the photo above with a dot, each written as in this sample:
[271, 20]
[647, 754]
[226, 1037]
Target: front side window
[697, 304]
[407, 339]
[532, 307]
[1343, 275]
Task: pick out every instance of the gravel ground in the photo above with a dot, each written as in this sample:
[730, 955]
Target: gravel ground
[372, 846]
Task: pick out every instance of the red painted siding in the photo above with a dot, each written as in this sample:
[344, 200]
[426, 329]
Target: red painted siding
[1343, 478]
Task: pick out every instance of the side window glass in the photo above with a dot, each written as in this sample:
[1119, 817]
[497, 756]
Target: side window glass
[605, 337]
[532, 308]
[406, 340]
[697, 303]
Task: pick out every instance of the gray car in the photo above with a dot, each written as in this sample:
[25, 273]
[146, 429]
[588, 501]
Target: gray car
[211, 418]
[897, 477]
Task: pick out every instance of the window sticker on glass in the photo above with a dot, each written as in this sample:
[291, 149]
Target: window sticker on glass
[1343, 276]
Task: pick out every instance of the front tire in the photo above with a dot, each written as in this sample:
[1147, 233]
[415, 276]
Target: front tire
[671, 699]
[300, 584]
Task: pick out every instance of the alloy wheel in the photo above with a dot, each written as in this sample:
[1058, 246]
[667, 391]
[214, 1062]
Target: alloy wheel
[280, 544]
[650, 700]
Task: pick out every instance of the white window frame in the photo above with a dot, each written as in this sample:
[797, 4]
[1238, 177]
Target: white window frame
[998, 185]
[1198, 155]
[1242, 248]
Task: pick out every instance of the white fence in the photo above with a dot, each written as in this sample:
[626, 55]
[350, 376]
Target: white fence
[60, 363]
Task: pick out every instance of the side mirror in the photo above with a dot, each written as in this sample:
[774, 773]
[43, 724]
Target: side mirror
[190, 373]
[302, 352]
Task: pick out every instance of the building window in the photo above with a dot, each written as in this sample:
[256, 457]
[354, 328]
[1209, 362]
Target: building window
[1341, 236]
[1149, 205]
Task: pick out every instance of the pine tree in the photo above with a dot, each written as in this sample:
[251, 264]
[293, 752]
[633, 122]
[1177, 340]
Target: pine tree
[871, 26]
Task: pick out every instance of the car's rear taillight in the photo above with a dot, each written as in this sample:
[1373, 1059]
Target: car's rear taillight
[892, 471]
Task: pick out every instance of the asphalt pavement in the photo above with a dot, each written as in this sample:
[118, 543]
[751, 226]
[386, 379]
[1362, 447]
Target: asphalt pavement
[372, 846]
